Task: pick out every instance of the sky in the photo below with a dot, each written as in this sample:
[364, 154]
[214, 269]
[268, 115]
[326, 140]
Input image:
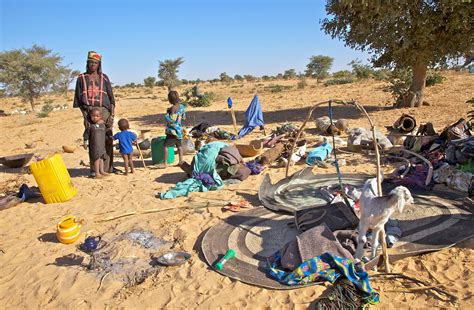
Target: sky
[257, 37]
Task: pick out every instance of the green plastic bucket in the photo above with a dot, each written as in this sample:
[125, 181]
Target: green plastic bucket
[157, 151]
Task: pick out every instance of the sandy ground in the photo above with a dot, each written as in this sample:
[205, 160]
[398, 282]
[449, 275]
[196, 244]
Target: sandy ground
[38, 272]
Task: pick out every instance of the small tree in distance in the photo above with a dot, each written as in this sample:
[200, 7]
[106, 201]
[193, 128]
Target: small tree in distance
[225, 78]
[319, 66]
[29, 72]
[168, 71]
[149, 81]
[66, 77]
[289, 74]
[238, 77]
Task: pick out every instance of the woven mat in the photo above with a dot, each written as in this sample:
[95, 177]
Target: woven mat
[432, 223]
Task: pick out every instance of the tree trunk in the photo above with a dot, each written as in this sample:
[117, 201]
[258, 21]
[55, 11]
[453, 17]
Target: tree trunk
[414, 96]
[32, 103]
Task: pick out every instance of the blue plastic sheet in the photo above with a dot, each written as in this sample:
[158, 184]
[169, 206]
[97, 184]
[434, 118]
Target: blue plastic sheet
[253, 117]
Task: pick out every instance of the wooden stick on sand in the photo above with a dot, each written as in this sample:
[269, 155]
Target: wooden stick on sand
[141, 156]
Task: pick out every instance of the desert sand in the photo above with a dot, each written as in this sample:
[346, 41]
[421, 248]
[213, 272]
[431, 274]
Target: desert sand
[38, 272]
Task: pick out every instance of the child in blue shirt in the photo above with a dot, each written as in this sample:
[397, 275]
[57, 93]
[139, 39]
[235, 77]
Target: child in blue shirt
[126, 139]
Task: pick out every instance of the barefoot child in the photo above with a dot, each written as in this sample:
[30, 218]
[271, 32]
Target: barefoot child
[95, 135]
[126, 139]
[174, 131]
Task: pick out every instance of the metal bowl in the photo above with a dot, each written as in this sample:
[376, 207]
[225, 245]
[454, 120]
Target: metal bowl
[173, 258]
[16, 161]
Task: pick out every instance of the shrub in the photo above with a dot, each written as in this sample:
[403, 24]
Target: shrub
[302, 83]
[434, 78]
[382, 74]
[45, 110]
[342, 74]
[346, 80]
[277, 88]
[196, 99]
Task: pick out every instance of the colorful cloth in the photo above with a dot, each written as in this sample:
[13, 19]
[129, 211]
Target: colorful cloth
[324, 267]
[173, 122]
[94, 56]
[253, 117]
[92, 92]
[126, 138]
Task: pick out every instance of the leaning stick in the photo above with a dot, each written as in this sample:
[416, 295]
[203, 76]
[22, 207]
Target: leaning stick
[234, 121]
[141, 156]
[426, 161]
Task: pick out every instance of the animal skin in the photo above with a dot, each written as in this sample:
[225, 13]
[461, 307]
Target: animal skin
[376, 211]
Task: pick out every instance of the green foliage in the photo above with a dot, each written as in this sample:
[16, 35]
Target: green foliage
[361, 71]
[266, 78]
[149, 82]
[382, 74]
[225, 78]
[318, 66]
[342, 74]
[289, 74]
[434, 78]
[277, 88]
[29, 72]
[45, 110]
[302, 83]
[195, 99]
[238, 77]
[168, 71]
[66, 77]
[249, 78]
[345, 80]
[404, 34]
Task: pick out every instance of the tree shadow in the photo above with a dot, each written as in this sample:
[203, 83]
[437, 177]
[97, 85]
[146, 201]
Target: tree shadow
[223, 117]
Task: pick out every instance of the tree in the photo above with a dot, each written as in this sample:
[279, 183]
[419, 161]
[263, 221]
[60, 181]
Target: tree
[66, 77]
[168, 71]
[149, 81]
[225, 78]
[319, 66]
[30, 72]
[361, 71]
[289, 74]
[249, 78]
[404, 34]
[238, 77]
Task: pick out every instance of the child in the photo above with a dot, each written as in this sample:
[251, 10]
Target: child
[95, 134]
[174, 131]
[126, 139]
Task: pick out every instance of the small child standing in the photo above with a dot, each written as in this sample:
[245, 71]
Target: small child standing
[174, 132]
[126, 139]
[95, 135]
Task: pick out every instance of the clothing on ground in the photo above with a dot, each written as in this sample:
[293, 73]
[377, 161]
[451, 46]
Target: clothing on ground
[204, 162]
[253, 117]
[126, 138]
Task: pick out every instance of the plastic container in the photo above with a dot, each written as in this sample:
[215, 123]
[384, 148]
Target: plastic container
[53, 179]
[157, 151]
[68, 229]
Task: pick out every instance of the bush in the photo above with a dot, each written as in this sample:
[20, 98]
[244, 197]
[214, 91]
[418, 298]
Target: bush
[434, 78]
[277, 88]
[45, 110]
[196, 99]
[382, 74]
[346, 80]
[342, 74]
[302, 83]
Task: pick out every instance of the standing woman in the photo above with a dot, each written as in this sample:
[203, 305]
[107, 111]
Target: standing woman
[93, 90]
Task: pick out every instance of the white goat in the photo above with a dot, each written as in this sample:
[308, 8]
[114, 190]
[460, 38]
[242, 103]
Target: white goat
[376, 211]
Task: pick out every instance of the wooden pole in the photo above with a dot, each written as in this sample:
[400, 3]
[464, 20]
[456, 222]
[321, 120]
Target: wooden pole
[234, 121]
[141, 156]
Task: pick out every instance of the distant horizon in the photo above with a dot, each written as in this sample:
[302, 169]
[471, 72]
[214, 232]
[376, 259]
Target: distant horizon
[260, 37]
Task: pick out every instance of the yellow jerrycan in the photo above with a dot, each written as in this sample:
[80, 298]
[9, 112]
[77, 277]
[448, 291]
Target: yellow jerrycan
[53, 179]
[68, 229]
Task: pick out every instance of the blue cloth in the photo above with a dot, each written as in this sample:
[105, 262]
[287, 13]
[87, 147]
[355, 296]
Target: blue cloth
[125, 141]
[319, 153]
[324, 267]
[173, 122]
[229, 102]
[253, 117]
[204, 162]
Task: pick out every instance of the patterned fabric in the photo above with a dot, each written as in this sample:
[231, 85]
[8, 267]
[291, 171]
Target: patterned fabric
[92, 92]
[173, 122]
[324, 267]
[94, 56]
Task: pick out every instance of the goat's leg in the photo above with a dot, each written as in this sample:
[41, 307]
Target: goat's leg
[384, 250]
[375, 241]
[361, 240]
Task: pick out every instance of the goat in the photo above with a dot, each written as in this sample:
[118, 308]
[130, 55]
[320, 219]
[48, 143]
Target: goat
[376, 211]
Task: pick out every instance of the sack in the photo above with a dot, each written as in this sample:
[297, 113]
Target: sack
[188, 146]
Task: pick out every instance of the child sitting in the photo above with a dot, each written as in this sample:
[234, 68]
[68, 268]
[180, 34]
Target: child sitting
[95, 135]
[126, 139]
[174, 131]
